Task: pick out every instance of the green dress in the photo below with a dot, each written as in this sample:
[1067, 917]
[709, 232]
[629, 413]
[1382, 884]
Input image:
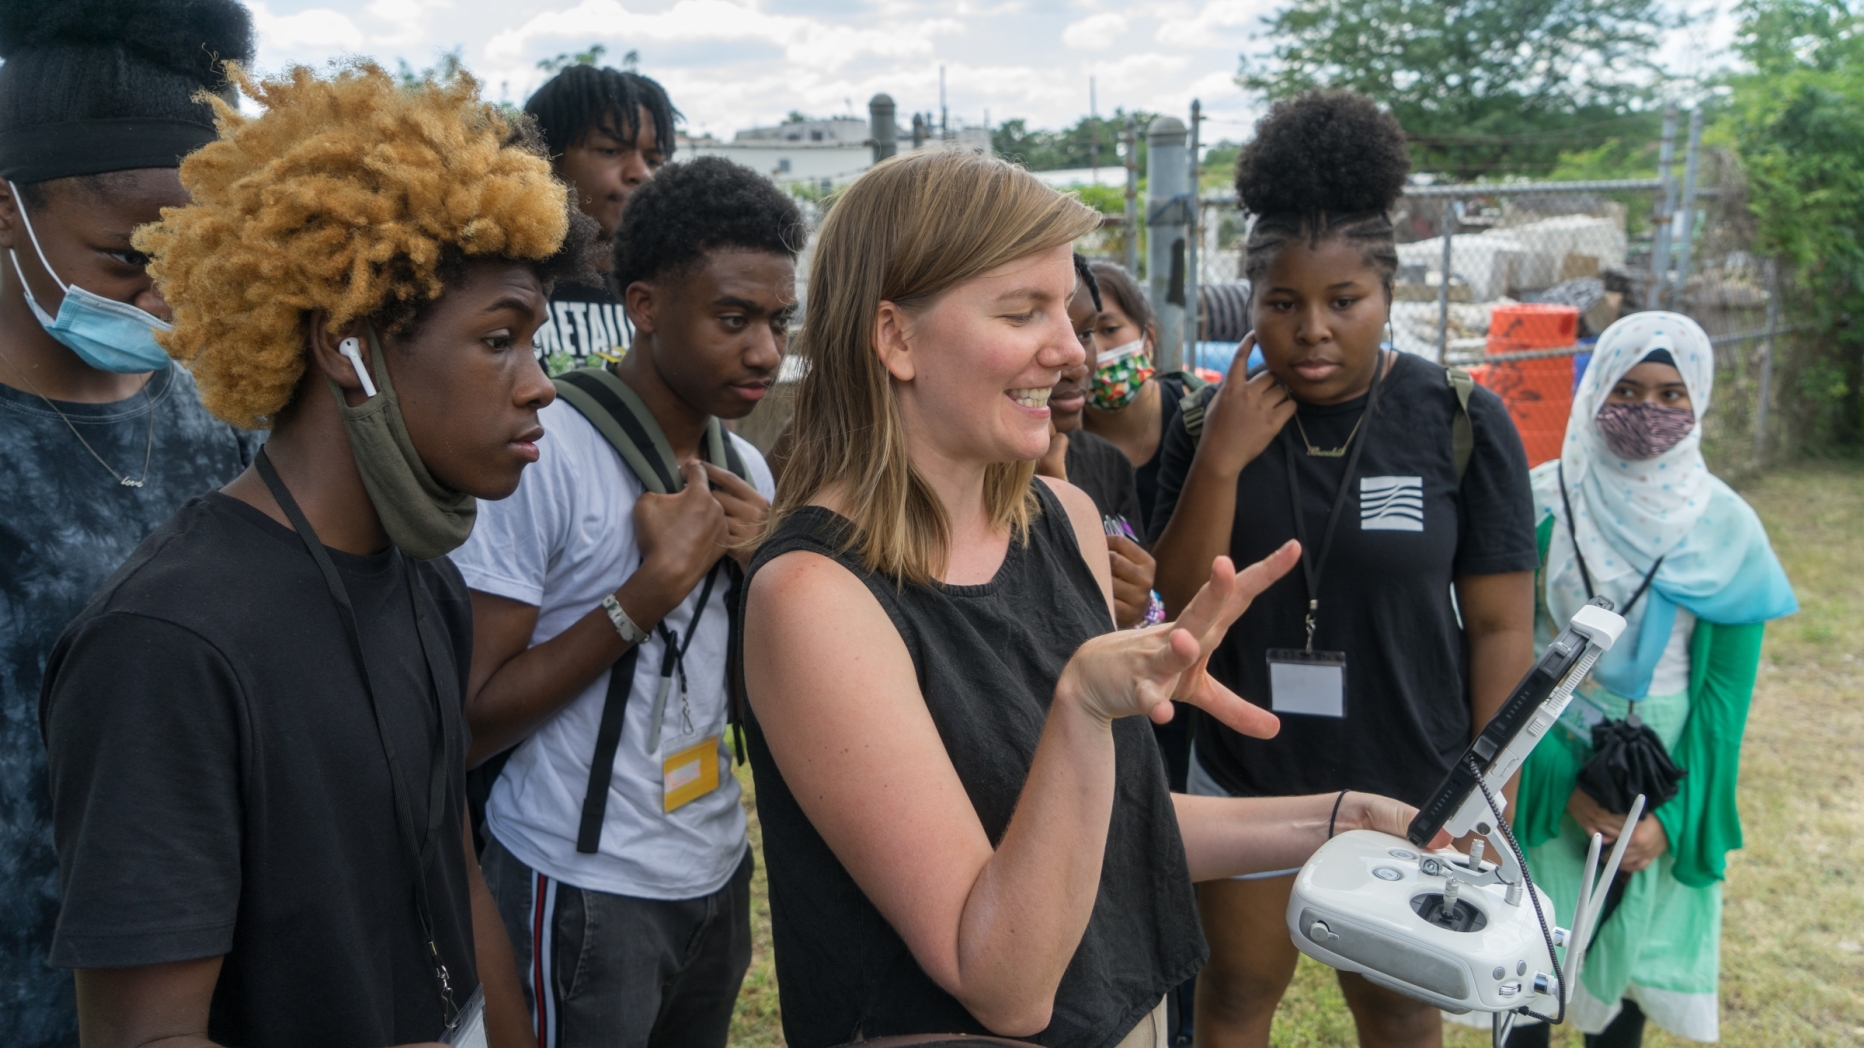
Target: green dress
[1662, 946]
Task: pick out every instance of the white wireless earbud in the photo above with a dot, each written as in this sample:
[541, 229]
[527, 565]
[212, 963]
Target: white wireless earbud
[352, 349]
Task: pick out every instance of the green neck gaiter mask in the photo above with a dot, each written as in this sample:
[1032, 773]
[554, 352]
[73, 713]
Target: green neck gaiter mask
[423, 517]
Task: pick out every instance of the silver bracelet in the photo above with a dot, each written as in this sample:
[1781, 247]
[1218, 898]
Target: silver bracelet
[630, 633]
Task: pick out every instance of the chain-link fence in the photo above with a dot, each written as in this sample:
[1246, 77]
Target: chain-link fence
[1470, 254]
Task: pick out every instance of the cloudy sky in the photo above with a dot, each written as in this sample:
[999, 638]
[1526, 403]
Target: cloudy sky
[731, 64]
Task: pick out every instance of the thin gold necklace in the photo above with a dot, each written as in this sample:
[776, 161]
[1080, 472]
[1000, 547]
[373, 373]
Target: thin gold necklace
[1329, 453]
[148, 444]
[1340, 452]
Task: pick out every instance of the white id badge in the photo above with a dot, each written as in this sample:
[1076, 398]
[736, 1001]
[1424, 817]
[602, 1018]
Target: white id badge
[1309, 682]
[470, 1033]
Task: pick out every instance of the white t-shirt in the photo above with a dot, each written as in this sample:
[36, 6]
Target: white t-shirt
[563, 542]
[1672, 672]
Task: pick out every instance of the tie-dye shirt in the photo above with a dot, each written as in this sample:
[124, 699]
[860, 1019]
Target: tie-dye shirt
[66, 526]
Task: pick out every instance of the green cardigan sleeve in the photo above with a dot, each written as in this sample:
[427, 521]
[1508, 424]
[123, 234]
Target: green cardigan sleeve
[1701, 820]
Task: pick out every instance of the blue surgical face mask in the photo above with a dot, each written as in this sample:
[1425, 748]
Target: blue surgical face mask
[104, 333]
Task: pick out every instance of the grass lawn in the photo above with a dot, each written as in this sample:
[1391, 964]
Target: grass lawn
[1793, 940]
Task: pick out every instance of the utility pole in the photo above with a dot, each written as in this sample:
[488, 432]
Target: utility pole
[1688, 230]
[1166, 223]
[1130, 133]
[1666, 211]
[1194, 229]
[944, 130]
[1093, 131]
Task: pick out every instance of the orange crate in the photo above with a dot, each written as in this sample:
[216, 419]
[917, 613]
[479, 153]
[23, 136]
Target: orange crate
[1531, 325]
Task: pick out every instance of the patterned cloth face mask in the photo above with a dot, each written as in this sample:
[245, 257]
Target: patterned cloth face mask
[1119, 374]
[1643, 430]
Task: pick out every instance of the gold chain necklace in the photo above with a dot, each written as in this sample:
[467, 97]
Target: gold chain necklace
[148, 444]
[1329, 453]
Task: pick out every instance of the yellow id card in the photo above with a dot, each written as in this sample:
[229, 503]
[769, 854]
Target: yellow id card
[691, 773]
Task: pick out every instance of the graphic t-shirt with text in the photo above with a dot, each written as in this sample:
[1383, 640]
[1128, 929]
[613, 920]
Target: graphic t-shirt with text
[585, 319]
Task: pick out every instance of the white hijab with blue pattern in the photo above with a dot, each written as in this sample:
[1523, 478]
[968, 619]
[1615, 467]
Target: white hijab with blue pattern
[1717, 561]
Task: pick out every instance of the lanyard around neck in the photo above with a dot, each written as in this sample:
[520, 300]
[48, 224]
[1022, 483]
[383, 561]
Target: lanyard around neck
[674, 657]
[1313, 564]
[420, 851]
[1585, 576]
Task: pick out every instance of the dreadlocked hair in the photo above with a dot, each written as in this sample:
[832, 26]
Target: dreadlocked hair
[1324, 165]
[1085, 274]
[585, 98]
[348, 195]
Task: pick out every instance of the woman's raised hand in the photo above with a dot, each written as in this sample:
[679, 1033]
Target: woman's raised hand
[1244, 416]
[1139, 672]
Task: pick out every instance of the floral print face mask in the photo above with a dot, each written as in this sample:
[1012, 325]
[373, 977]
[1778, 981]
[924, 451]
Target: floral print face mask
[1119, 374]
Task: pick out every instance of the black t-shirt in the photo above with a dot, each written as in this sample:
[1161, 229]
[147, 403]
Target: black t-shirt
[1171, 390]
[219, 786]
[584, 319]
[1102, 470]
[1406, 530]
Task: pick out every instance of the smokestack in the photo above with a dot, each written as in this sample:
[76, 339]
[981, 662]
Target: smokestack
[880, 124]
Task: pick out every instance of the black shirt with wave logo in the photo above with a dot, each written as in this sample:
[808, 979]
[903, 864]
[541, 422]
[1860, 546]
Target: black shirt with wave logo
[1407, 529]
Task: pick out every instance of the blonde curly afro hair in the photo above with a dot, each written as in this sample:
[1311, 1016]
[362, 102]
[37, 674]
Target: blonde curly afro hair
[349, 194]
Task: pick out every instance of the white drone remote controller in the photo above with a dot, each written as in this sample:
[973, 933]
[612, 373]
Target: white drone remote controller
[1452, 930]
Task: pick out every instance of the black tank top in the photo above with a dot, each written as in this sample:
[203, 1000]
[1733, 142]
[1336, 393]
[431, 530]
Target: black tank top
[987, 658]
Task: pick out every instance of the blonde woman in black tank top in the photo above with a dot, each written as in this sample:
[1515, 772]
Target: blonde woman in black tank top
[966, 823]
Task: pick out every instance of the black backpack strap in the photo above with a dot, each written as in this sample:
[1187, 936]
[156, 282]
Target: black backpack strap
[607, 739]
[734, 655]
[1191, 410]
[619, 414]
[1462, 431]
[1192, 402]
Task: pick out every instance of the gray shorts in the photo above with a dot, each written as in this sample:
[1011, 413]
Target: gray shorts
[619, 972]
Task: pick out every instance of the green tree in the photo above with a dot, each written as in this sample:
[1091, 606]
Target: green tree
[448, 66]
[1795, 116]
[1072, 147]
[630, 61]
[1481, 86]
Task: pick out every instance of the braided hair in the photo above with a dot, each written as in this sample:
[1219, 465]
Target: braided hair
[1085, 275]
[585, 98]
[1323, 165]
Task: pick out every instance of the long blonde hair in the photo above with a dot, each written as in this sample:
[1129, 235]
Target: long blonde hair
[905, 232]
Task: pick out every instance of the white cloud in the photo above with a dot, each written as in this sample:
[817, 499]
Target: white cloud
[814, 42]
[1219, 23]
[733, 64]
[1096, 32]
[318, 27]
[407, 18]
